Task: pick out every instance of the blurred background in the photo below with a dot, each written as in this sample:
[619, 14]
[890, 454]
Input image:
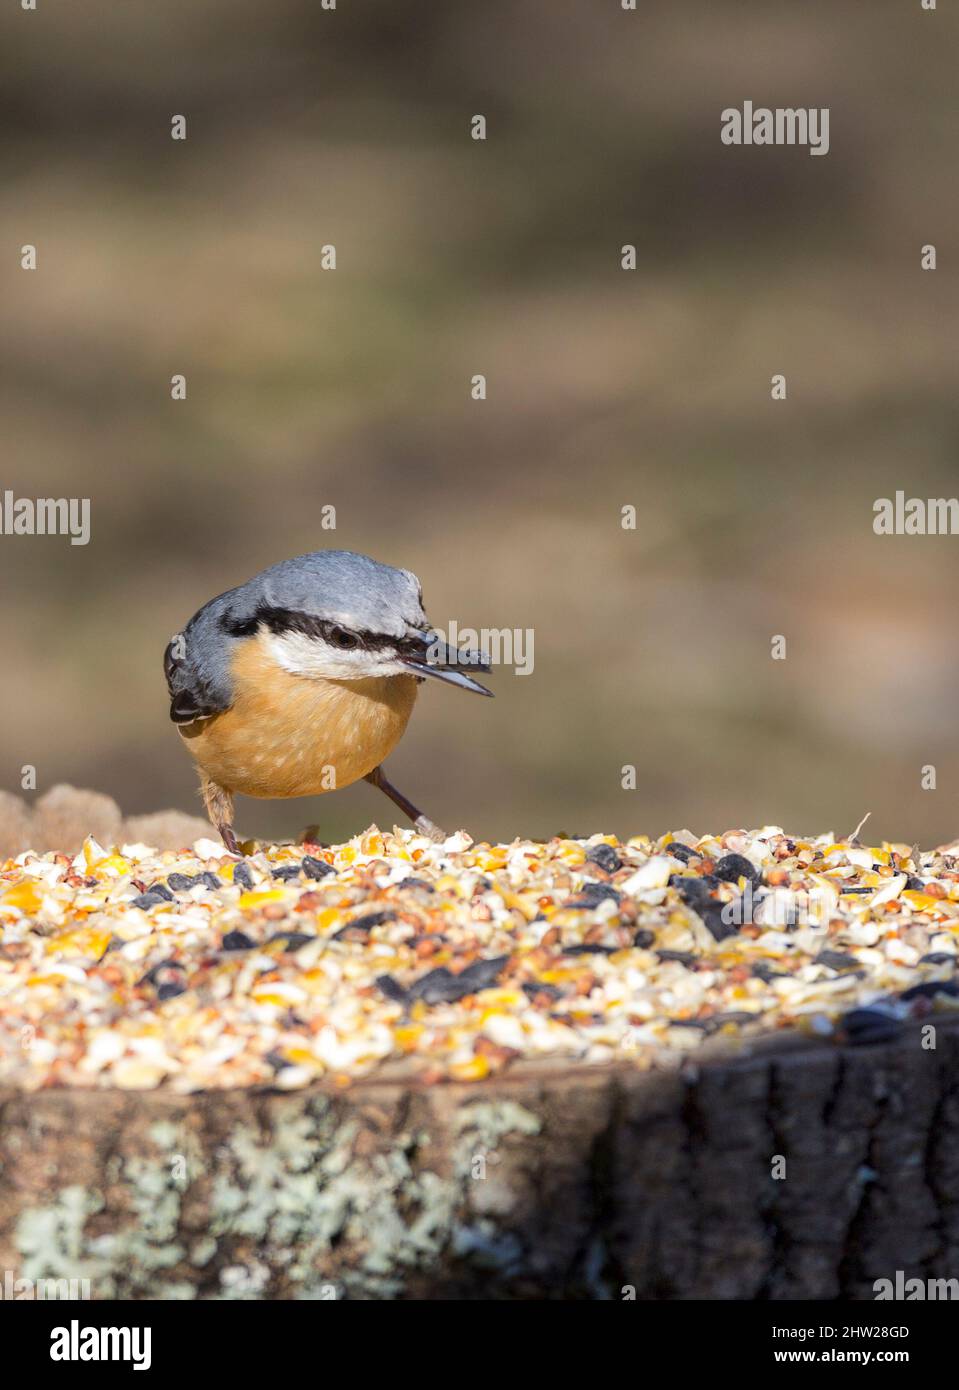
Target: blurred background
[606, 388]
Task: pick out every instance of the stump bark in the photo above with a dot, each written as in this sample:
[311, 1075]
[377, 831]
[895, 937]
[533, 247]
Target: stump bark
[804, 1171]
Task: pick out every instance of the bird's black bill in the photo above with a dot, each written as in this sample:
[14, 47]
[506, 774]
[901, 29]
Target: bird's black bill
[448, 674]
[428, 654]
[433, 649]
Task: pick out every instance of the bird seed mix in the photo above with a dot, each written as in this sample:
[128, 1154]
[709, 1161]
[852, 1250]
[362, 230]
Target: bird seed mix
[128, 967]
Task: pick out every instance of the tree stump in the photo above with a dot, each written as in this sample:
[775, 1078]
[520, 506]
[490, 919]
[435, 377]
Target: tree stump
[804, 1170]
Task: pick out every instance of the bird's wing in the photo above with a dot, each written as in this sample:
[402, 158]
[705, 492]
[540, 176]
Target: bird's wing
[191, 695]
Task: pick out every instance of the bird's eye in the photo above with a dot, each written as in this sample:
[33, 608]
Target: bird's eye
[341, 638]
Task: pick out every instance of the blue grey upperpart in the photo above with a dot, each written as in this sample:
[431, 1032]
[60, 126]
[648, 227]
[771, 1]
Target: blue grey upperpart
[338, 585]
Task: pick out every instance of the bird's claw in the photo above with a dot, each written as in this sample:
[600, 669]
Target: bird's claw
[229, 840]
[426, 827]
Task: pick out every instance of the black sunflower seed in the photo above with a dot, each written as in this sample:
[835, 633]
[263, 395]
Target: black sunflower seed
[532, 988]
[237, 941]
[316, 868]
[483, 973]
[838, 960]
[374, 919]
[592, 894]
[766, 972]
[732, 867]
[681, 852]
[391, 988]
[294, 939]
[690, 886]
[441, 986]
[148, 900]
[708, 909]
[171, 989]
[605, 856]
[683, 957]
[711, 914]
[242, 876]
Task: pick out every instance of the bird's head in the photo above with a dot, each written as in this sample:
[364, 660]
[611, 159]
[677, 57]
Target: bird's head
[336, 615]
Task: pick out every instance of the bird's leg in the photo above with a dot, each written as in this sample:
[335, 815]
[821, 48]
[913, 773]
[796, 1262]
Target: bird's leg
[422, 823]
[219, 807]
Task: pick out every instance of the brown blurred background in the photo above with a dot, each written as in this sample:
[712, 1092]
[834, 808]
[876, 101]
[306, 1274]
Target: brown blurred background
[352, 388]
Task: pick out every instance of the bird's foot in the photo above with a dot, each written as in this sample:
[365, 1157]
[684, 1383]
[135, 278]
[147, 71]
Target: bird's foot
[426, 827]
[229, 839]
[421, 823]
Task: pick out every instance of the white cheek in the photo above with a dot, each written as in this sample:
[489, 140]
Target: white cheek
[306, 656]
[314, 658]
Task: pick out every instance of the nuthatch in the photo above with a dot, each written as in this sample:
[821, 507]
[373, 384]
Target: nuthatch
[303, 679]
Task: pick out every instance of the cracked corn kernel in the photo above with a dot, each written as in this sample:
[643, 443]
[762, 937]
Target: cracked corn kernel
[88, 941]
[271, 895]
[474, 1070]
[24, 896]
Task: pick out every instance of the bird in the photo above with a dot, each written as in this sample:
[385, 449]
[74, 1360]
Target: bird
[302, 681]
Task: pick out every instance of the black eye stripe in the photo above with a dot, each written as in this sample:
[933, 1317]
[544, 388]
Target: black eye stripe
[280, 621]
[238, 627]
